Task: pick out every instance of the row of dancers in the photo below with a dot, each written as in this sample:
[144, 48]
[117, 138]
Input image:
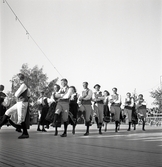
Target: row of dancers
[65, 106]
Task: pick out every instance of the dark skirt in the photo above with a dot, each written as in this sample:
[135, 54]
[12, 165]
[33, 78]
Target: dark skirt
[27, 118]
[106, 114]
[51, 112]
[2, 110]
[73, 112]
[134, 116]
[44, 112]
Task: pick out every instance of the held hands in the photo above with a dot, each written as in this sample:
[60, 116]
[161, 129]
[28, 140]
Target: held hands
[80, 98]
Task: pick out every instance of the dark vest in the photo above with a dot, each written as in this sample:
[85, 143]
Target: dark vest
[85, 93]
[23, 96]
[98, 95]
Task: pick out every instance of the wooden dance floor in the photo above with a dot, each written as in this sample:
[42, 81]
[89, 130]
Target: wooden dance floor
[43, 149]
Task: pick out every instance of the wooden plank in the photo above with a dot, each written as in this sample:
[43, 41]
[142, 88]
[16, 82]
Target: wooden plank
[110, 149]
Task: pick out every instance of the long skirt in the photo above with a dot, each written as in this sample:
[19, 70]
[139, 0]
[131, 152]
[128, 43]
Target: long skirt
[43, 120]
[27, 118]
[134, 116]
[51, 112]
[73, 112]
[2, 110]
[106, 114]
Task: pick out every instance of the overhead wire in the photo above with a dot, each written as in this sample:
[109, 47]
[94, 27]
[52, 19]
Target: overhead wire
[29, 35]
[149, 89]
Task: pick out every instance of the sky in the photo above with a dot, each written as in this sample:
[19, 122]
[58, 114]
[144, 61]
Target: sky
[108, 42]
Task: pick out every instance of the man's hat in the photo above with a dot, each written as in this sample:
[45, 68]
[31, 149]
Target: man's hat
[97, 85]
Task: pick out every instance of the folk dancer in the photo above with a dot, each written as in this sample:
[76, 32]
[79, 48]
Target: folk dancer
[73, 109]
[2, 100]
[85, 107]
[115, 107]
[98, 106]
[63, 104]
[20, 107]
[141, 109]
[106, 118]
[128, 106]
[44, 107]
[52, 108]
[134, 116]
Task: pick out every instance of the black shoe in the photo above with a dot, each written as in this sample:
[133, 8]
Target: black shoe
[90, 124]
[23, 136]
[73, 132]
[128, 129]
[100, 132]
[38, 129]
[86, 134]
[143, 129]
[43, 130]
[47, 127]
[56, 133]
[116, 130]
[18, 130]
[64, 135]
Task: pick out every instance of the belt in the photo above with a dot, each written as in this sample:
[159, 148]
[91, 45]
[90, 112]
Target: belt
[100, 102]
[64, 100]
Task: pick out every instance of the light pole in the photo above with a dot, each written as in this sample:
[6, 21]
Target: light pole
[161, 81]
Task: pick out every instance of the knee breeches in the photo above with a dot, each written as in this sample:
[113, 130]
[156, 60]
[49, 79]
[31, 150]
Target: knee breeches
[88, 111]
[99, 111]
[128, 112]
[63, 107]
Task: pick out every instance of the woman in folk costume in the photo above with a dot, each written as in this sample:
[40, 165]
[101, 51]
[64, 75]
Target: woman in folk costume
[141, 110]
[2, 98]
[73, 109]
[52, 107]
[44, 107]
[128, 106]
[4, 102]
[134, 116]
[20, 107]
[115, 107]
[106, 118]
[98, 106]
[85, 107]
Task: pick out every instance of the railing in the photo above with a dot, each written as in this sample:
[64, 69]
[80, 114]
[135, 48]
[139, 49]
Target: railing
[156, 120]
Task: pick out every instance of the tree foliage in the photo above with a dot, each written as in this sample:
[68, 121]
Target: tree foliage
[36, 80]
[157, 95]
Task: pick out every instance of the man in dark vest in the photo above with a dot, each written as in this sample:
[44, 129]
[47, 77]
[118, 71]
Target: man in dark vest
[20, 107]
[62, 106]
[85, 105]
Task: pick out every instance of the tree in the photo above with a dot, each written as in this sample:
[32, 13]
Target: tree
[157, 95]
[36, 80]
